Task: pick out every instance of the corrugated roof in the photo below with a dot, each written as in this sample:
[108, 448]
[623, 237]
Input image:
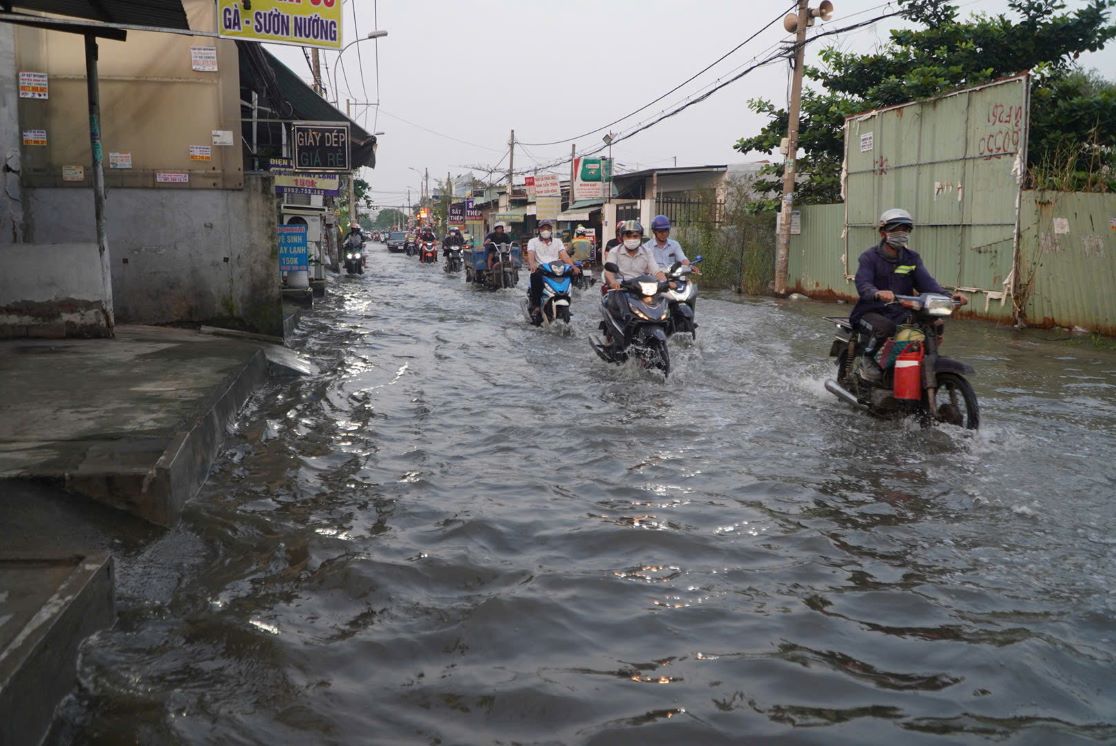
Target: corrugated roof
[161, 13]
[263, 72]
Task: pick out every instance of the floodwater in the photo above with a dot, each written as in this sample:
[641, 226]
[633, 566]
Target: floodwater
[469, 531]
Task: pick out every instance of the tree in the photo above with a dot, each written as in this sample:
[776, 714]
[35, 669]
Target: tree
[1068, 107]
[389, 217]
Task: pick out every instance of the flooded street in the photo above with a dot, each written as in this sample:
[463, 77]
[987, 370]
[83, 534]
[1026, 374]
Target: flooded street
[467, 530]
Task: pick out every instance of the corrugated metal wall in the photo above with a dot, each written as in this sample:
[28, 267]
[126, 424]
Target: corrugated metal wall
[1068, 260]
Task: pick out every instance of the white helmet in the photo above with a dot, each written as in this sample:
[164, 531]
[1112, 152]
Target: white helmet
[896, 217]
[501, 224]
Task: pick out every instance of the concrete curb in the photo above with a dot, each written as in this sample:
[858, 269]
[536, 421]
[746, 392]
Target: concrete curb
[158, 492]
[38, 665]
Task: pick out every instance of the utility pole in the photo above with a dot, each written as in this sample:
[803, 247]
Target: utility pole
[511, 166]
[316, 67]
[782, 250]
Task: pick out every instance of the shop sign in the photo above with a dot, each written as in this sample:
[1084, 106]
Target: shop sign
[548, 185]
[293, 248]
[321, 146]
[300, 182]
[457, 213]
[308, 23]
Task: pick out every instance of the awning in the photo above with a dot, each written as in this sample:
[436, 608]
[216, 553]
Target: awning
[580, 210]
[167, 14]
[295, 100]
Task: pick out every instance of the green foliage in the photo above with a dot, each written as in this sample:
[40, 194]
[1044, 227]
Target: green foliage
[1069, 107]
[389, 217]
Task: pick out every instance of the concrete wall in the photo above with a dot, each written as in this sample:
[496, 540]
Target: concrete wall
[55, 290]
[11, 210]
[196, 255]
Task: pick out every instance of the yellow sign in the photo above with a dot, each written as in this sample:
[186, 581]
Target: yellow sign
[307, 23]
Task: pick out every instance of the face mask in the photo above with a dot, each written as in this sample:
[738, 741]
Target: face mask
[544, 235]
[631, 244]
[898, 240]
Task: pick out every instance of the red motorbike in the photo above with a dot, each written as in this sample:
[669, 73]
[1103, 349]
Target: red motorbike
[428, 252]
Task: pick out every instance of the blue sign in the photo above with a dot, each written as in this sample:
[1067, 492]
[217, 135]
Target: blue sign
[293, 252]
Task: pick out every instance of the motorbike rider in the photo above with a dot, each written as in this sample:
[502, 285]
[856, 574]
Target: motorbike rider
[580, 246]
[544, 249]
[631, 257]
[355, 240]
[497, 236]
[885, 270]
[453, 238]
[665, 249]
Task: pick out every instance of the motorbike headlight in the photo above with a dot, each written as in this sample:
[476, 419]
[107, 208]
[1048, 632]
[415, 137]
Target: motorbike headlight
[348, 256]
[938, 305]
[648, 288]
[356, 256]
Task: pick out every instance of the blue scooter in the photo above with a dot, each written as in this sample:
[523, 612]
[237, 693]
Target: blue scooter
[555, 301]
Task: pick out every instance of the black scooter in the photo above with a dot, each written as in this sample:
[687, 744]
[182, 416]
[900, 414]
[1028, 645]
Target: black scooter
[634, 323]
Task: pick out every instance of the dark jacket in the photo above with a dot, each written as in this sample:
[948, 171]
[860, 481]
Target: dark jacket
[453, 239]
[903, 275]
[495, 238]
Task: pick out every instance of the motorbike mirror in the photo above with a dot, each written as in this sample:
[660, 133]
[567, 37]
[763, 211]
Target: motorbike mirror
[696, 259]
[611, 267]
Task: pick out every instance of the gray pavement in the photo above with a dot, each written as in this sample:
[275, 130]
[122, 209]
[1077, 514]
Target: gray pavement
[133, 423]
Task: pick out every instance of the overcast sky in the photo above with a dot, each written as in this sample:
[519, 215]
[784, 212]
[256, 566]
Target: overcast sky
[555, 69]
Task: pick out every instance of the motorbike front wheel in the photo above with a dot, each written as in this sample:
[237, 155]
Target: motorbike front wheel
[957, 402]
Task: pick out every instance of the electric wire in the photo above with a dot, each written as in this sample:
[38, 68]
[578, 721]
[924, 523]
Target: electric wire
[672, 90]
[435, 132]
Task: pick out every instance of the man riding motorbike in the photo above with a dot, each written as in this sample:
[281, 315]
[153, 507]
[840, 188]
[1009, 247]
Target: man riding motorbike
[884, 271]
[497, 236]
[543, 250]
[631, 257]
[354, 242]
[665, 249]
[453, 238]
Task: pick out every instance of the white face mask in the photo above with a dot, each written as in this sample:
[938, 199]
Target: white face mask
[544, 235]
[631, 244]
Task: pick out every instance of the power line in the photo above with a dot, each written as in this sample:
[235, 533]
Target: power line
[672, 90]
[380, 110]
[360, 59]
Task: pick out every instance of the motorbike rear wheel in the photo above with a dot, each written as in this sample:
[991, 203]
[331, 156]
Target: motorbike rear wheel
[957, 402]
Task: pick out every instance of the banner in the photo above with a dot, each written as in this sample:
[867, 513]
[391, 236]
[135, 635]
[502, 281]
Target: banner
[548, 207]
[590, 176]
[301, 182]
[457, 214]
[293, 248]
[471, 212]
[314, 23]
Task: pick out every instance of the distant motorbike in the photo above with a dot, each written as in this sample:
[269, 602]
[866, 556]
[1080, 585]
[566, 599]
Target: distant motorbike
[354, 258]
[915, 379]
[635, 323]
[410, 247]
[555, 300]
[428, 252]
[682, 298]
[454, 262]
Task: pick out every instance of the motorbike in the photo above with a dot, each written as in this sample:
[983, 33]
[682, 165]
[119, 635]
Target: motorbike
[504, 272]
[354, 260]
[635, 323]
[454, 262]
[555, 300]
[915, 379]
[428, 252]
[410, 247]
[682, 299]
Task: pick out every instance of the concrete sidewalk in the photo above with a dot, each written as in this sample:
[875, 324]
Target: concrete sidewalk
[133, 422]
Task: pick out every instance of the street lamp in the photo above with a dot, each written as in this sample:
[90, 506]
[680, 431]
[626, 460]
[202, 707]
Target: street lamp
[337, 63]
